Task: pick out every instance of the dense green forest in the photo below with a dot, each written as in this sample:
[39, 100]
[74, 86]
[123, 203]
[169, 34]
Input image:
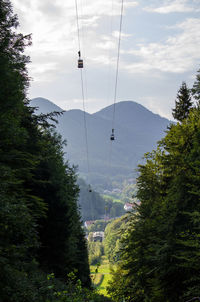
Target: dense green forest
[159, 259]
[43, 252]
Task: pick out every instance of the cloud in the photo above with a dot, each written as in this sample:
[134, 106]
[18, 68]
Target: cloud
[115, 34]
[92, 105]
[143, 62]
[105, 7]
[177, 54]
[175, 6]
[152, 104]
[54, 29]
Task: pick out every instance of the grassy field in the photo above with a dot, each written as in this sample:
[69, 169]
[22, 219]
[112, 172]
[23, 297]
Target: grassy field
[101, 278]
[114, 199]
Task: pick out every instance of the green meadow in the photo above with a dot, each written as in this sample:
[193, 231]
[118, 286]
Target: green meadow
[101, 277]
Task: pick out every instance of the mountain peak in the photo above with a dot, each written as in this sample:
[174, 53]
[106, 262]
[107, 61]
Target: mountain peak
[129, 111]
[137, 130]
[44, 105]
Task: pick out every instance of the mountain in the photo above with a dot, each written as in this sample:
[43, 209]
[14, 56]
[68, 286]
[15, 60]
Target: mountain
[136, 130]
[44, 106]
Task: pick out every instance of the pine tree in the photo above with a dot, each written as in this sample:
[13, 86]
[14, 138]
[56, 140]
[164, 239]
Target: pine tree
[38, 191]
[60, 232]
[17, 217]
[160, 255]
[196, 88]
[183, 103]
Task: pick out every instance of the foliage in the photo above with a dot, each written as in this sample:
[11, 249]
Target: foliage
[196, 88]
[113, 208]
[183, 103]
[161, 249]
[73, 291]
[92, 205]
[159, 259]
[102, 273]
[96, 251]
[113, 233]
[98, 226]
[128, 192]
[40, 227]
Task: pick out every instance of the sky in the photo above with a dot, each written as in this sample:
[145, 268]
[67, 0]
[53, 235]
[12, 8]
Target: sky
[160, 48]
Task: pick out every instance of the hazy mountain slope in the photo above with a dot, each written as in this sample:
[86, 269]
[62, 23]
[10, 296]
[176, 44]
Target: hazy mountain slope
[136, 129]
[135, 117]
[44, 105]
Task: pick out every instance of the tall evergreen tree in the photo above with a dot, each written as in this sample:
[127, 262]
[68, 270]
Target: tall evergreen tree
[160, 255]
[183, 103]
[60, 232]
[196, 88]
[31, 162]
[17, 217]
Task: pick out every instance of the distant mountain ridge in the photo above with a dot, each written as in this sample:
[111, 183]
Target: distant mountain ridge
[137, 130]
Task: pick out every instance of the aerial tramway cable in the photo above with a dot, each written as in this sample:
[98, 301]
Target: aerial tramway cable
[109, 57]
[80, 65]
[117, 70]
[112, 136]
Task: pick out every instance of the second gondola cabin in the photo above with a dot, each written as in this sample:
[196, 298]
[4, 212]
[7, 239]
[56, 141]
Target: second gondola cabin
[80, 63]
[112, 136]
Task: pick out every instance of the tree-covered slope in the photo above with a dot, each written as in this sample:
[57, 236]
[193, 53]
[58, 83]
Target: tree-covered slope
[40, 227]
[159, 255]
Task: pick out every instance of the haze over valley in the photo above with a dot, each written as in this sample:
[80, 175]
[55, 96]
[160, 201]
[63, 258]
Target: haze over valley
[137, 131]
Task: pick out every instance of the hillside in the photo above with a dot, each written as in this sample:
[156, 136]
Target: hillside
[136, 129]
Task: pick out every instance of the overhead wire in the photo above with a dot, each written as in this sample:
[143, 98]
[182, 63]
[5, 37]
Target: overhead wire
[82, 90]
[109, 76]
[115, 84]
[117, 66]
[109, 56]
[116, 79]
[77, 24]
[83, 55]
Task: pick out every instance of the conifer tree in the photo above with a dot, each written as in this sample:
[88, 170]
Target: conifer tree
[183, 103]
[31, 161]
[17, 215]
[196, 88]
[160, 251]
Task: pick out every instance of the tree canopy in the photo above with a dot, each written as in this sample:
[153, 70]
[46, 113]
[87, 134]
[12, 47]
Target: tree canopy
[40, 227]
[183, 103]
[160, 248]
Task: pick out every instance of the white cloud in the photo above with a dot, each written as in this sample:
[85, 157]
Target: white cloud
[115, 34]
[175, 6]
[163, 109]
[177, 54]
[54, 29]
[54, 51]
[91, 104]
[40, 72]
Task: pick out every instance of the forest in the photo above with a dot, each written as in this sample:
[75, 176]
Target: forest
[159, 255]
[43, 251]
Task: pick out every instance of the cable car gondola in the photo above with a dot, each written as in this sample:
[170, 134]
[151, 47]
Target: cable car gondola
[80, 61]
[112, 137]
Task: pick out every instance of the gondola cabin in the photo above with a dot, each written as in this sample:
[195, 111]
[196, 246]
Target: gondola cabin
[80, 63]
[112, 137]
[90, 189]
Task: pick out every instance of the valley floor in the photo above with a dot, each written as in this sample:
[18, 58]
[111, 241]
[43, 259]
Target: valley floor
[101, 278]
